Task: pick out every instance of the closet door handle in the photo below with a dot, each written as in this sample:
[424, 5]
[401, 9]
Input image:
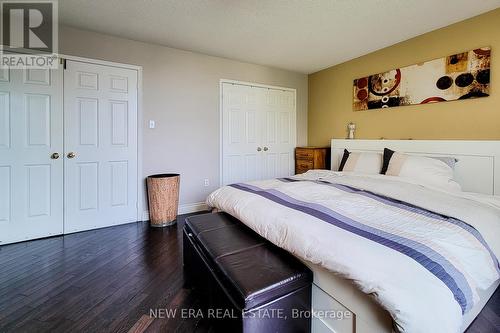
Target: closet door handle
[266, 149]
[259, 149]
[54, 156]
[71, 155]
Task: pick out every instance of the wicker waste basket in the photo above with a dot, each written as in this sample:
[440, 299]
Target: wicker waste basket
[163, 197]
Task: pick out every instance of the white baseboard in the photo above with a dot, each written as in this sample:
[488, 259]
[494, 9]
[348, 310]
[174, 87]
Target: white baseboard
[145, 215]
[183, 209]
[192, 207]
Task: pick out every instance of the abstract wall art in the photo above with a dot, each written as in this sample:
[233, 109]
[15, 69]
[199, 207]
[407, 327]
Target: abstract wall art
[459, 76]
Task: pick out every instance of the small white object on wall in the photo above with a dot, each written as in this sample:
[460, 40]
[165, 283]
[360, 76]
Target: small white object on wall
[351, 127]
[152, 124]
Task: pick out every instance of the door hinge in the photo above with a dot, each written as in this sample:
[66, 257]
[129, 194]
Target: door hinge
[62, 61]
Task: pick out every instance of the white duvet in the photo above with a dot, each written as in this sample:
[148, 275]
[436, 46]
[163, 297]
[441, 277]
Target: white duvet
[422, 257]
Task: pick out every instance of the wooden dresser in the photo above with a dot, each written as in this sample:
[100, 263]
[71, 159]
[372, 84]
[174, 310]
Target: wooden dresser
[307, 158]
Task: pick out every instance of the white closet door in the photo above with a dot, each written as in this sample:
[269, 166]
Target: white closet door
[31, 183]
[258, 133]
[100, 139]
[278, 139]
[241, 133]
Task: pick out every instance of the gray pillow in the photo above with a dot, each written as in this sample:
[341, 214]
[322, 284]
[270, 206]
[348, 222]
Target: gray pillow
[450, 161]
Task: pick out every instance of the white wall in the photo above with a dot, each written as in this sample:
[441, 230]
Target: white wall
[181, 93]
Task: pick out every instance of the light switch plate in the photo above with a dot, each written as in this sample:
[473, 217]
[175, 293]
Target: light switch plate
[152, 124]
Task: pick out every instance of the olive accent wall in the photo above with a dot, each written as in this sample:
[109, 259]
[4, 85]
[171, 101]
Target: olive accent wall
[330, 91]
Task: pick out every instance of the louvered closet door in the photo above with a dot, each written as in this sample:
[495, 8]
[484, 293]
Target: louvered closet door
[31, 183]
[100, 139]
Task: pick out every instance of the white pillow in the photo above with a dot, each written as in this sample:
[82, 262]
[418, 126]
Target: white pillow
[424, 170]
[367, 163]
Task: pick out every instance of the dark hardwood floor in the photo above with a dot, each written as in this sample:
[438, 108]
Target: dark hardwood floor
[109, 280]
[96, 281]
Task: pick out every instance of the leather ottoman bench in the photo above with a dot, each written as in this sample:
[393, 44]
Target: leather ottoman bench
[245, 283]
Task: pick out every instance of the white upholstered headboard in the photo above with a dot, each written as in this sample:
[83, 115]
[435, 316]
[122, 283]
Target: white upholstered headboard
[478, 169]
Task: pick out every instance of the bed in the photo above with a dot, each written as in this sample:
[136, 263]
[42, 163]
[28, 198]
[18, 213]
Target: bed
[368, 294]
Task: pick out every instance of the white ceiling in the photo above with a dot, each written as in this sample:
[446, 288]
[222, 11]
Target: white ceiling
[299, 35]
